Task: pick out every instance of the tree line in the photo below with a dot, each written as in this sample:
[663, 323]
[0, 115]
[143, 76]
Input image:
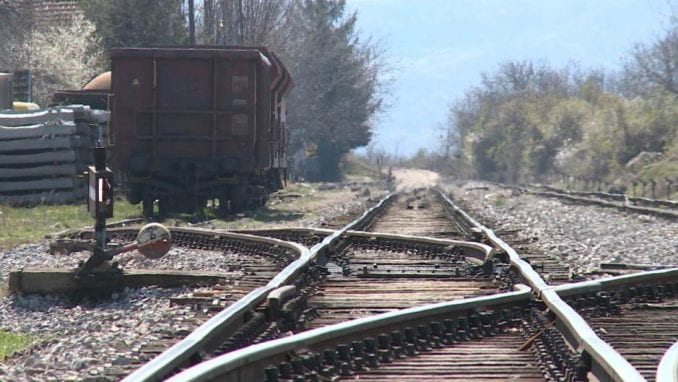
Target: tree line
[337, 75]
[530, 121]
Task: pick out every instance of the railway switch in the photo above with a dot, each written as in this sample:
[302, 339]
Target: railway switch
[153, 240]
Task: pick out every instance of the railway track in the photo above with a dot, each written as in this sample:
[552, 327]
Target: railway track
[635, 314]
[251, 262]
[420, 213]
[362, 268]
[366, 274]
[474, 339]
[426, 214]
[376, 274]
[662, 208]
[373, 306]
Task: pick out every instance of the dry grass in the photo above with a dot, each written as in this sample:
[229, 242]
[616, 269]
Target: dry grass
[289, 207]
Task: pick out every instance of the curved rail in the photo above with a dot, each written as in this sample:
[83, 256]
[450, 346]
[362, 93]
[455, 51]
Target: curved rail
[668, 367]
[224, 321]
[483, 252]
[664, 209]
[591, 286]
[233, 316]
[610, 196]
[524, 268]
[247, 364]
[608, 363]
[284, 230]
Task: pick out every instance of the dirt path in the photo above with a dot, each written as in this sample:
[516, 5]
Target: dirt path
[413, 178]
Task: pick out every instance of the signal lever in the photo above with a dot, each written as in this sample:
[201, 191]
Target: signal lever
[153, 241]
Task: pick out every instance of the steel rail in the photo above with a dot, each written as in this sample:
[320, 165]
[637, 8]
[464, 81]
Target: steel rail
[225, 321]
[668, 366]
[657, 211]
[617, 197]
[115, 224]
[483, 252]
[524, 268]
[592, 286]
[247, 364]
[255, 231]
[644, 210]
[609, 364]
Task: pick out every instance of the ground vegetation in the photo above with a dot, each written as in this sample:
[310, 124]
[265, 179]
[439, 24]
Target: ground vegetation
[530, 121]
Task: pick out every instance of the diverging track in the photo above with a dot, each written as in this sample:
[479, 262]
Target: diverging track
[494, 329]
[663, 208]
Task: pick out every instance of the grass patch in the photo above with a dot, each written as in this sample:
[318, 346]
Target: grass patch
[21, 225]
[11, 342]
[499, 201]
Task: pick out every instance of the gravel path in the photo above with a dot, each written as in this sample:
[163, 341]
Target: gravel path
[582, 236]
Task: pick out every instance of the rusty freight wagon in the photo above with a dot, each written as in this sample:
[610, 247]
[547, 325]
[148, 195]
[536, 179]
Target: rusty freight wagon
[194, 124]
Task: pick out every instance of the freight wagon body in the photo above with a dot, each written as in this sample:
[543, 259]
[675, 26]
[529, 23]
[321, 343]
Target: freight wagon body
[195, 124]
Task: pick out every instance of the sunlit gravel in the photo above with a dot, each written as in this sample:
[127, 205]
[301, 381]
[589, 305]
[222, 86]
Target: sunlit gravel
[582, 236]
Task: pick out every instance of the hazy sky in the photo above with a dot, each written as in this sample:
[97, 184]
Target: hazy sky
[439, 48]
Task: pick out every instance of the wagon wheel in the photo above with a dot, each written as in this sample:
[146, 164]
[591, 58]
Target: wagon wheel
[147, 205]
[164, 206]
[222, 210]
[240, 199]
[237, 205]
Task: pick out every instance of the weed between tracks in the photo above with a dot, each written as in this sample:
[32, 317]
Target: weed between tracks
[10, 343]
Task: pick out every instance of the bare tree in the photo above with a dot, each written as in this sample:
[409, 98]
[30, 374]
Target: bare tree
[244, 22]
[654, 65]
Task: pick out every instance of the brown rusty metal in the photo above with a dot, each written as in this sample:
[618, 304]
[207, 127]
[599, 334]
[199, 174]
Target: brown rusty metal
[198, 123]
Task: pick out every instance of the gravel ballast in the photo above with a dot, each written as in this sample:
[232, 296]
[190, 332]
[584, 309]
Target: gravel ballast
[582, 236]
[80, 339]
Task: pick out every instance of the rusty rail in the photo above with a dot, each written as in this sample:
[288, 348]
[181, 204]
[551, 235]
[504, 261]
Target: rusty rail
[661, 208]
[207, 335]
[616, 197]
[607, 363]
[248, 364]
